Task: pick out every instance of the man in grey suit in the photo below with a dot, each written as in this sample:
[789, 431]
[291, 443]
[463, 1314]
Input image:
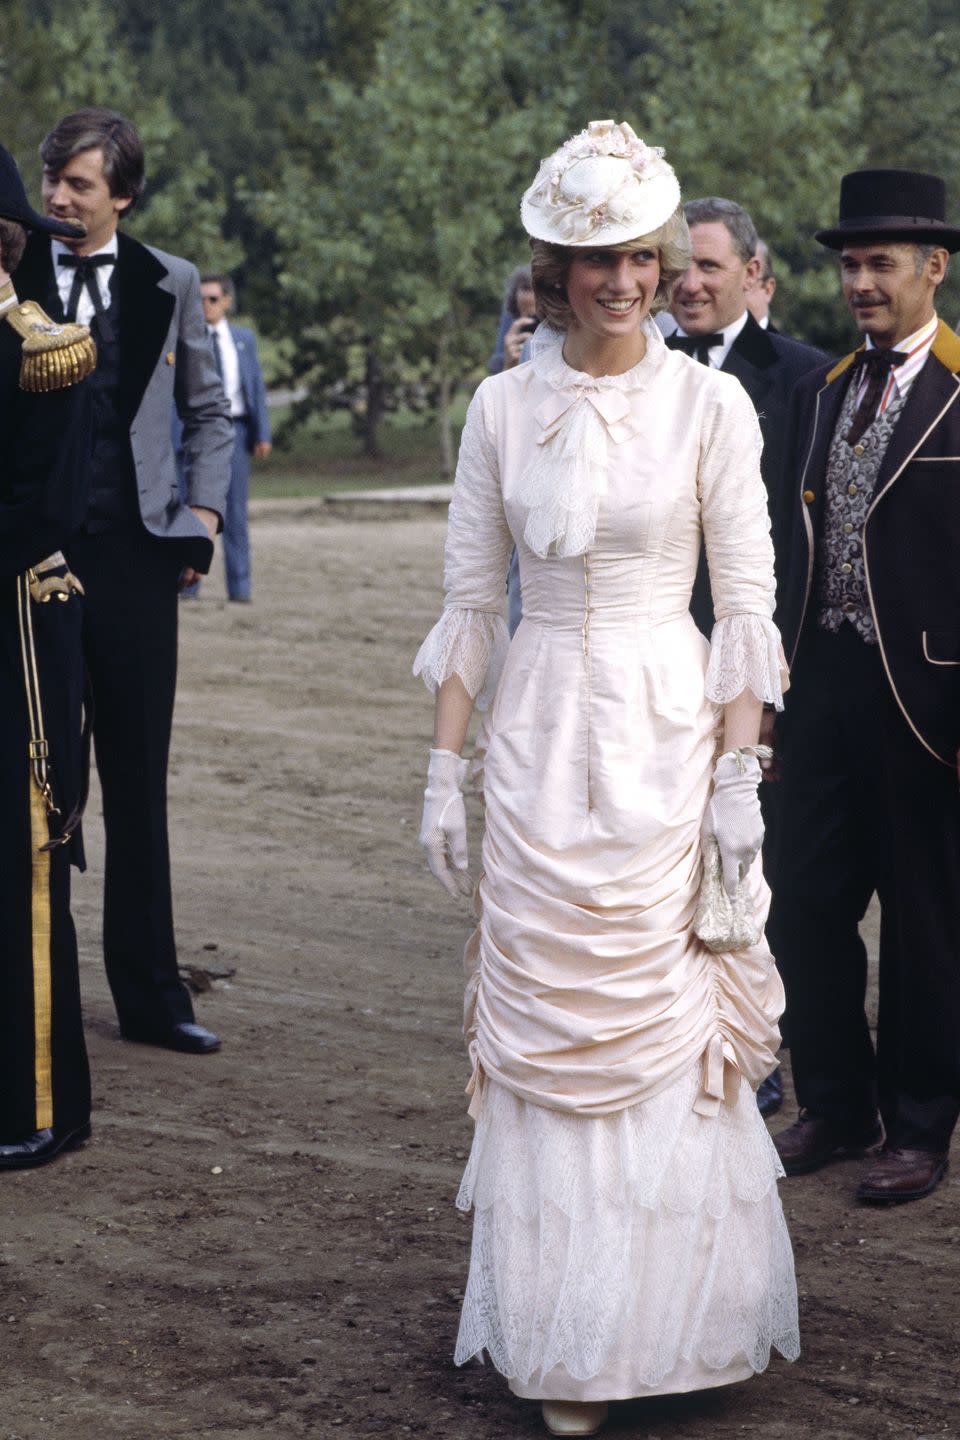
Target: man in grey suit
[139, 542]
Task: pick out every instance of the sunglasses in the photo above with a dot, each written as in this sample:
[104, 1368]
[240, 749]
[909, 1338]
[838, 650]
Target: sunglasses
[211, 299]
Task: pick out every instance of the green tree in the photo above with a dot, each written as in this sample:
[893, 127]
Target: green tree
[753, 102]
[397, 215]
[57, 62]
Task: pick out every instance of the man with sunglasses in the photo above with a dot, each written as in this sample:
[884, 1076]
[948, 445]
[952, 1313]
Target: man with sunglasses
[235, 354]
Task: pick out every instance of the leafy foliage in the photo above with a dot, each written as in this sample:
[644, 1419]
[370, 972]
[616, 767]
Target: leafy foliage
[357, 164]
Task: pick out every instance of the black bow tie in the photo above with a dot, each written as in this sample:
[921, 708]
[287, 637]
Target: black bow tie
[698, 346]
[86, 267]
[877, 364]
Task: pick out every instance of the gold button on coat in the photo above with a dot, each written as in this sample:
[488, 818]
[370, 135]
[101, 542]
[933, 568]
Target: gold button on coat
[845, 568]
[859, 449]
[851, 489]
[848, 528]
[170, 357]
[808, 497]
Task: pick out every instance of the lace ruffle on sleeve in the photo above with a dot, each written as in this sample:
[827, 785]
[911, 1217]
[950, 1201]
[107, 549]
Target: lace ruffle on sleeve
[745, 649]
[470, 639]
[745, 653]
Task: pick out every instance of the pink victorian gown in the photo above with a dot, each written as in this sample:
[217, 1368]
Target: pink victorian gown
[628, 1236]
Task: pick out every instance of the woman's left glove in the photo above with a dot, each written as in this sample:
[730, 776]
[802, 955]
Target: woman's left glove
[733, 812]
[443, 830]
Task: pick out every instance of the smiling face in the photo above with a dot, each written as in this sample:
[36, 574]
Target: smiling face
[711, 294]
[79, 191]
[888, 296]
[610, 291]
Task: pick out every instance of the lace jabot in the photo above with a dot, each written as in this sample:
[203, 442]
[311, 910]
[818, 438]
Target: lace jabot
[565, 481]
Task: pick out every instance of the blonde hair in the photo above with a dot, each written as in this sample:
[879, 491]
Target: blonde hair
[550, 263]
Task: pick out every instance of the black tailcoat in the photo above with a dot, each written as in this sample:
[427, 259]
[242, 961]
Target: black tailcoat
[130, 565]
[767, 366]
[911, 537]
[869, 801]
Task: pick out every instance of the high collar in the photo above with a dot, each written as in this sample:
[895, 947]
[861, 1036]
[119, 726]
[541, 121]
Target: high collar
[549, 364]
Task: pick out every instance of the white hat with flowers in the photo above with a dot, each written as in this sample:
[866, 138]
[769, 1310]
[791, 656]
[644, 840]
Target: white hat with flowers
[603, 187]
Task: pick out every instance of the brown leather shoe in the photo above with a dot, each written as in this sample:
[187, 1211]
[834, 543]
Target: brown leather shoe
[814, 1140]
[900, 1175]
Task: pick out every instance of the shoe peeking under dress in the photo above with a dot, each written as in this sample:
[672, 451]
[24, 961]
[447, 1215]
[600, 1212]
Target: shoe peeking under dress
[574, 1417]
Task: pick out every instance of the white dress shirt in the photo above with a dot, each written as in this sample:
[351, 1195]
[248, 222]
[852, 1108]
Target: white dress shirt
[231, 367]
[718, 353]
[65, 276]
[916, 347]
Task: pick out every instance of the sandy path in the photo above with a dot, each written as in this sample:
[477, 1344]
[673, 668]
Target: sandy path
[263, 1243]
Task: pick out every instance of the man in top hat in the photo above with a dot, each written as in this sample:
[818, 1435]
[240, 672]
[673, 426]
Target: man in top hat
[870, 616]
[138, 540]
[44, 423]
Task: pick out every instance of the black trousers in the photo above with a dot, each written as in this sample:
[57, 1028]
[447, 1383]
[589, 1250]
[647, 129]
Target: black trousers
[866, 809]
[130, 646]
[44, 1077]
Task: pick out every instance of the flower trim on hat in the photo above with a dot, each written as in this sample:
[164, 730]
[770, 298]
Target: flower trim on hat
[574, 219]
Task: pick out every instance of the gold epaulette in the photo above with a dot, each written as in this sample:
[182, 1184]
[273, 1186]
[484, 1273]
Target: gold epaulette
[54, 356]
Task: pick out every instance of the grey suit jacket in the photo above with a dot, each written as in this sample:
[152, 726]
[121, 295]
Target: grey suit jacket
[167, 362]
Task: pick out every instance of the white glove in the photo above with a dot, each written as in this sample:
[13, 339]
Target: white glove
[733, 814]
[443, 830]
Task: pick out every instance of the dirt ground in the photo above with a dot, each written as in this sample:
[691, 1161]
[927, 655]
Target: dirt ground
[264, 1242]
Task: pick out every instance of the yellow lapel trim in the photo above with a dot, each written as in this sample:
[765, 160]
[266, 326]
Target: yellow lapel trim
[842, 365]
[946, 347]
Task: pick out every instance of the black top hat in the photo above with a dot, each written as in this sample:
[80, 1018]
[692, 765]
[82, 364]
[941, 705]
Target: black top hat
[898, 204]
[14, 204]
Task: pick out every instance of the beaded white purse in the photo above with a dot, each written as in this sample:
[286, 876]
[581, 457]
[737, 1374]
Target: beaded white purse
[723, 922]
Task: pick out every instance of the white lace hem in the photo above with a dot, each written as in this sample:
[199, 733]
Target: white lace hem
[636, 1243]
[746, 654]
[470, 643]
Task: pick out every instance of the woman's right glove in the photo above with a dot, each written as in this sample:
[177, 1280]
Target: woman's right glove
[443, 829]
[733, 812]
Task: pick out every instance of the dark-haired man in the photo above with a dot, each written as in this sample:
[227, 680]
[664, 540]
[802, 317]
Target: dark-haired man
[138, 540]
[44, 421]
[870, 616]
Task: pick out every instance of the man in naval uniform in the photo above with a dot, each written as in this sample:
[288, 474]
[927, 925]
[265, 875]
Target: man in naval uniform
[869, 611]
[44, 421]
[138, 541]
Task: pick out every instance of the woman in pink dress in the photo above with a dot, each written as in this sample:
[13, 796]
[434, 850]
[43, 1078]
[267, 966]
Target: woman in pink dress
[628, 1236]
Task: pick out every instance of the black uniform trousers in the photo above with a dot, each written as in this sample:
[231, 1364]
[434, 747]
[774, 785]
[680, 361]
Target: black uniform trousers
[865, 808]
[130, 646]
[44, 1076]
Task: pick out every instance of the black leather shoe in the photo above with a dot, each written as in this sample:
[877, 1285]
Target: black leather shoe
[899, 1175]
[42, 1146]
[770, 1094]
[185, 1036]
[813, 1141]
